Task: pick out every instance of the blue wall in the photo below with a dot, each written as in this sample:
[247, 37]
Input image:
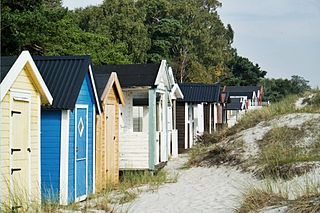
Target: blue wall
[86, 96]
[50, 154]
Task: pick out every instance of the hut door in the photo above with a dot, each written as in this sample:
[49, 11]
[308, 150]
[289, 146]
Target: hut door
[81, 152]
[20, 150]
[110, 160]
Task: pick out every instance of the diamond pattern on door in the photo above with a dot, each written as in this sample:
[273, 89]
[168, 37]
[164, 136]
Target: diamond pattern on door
[80, 127]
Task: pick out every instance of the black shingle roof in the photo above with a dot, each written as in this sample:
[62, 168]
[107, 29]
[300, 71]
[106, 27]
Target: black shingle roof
[63, 76]
[6, 64]
[101, 82]
[130, 75]
[234, 104]
[195, 92]
[241, 90]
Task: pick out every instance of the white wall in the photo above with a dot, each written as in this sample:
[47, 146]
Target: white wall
[133, 146]
[200, 117]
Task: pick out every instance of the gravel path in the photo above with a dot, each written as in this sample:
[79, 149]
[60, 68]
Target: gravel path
[197, 190]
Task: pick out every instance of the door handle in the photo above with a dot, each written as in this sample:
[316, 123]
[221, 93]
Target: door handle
[15, 170]
[29, 149]
[77, 149]
[114, 137]
[15, 112]
[15, 150]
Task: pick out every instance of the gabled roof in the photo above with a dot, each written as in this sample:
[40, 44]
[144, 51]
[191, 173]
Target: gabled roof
[11, 67]
[242, 90]
[64, 76]
[196, 92]
[235, 104]
[131, 75]
[105, 82]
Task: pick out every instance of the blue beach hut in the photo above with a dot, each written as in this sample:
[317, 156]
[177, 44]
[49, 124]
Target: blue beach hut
[68, 128]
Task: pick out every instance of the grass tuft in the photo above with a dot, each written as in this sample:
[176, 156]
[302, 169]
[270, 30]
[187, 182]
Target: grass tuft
[256, 199]
[279, 153]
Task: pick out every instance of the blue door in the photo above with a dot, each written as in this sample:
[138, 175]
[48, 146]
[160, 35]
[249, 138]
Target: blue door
[81, 153]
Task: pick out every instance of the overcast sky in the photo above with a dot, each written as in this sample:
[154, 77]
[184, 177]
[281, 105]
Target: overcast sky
[282, 36]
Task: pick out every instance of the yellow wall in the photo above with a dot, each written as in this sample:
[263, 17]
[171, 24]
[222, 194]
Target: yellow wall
[23, 82]
[107, 151]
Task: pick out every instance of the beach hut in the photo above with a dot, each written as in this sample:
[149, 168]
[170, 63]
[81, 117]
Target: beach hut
[68, 128]
[23, 91]
[196, 112]
[148, 134]
[251, 96]
[107, 130]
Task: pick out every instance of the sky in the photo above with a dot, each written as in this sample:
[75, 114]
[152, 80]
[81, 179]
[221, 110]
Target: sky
[282, 36]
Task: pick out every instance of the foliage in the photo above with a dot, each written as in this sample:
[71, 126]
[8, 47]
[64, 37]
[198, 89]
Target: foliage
[188, 33]
[244, 72]
[277, 89]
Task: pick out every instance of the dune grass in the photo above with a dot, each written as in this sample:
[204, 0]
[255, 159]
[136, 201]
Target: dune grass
[279, 153]
[299, 196]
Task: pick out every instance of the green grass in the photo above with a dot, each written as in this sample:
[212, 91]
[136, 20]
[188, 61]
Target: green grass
[279, 153]
[131, 179]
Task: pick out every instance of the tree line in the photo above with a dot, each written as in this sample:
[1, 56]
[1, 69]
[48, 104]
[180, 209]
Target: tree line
[188, 33]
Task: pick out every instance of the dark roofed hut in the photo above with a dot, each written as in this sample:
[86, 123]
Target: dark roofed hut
[196, 112]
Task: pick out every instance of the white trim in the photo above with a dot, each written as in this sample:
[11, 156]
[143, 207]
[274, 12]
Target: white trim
[162, 69]
[186, 118]
[215, 116]
[21, 95]
[39, 145]
[176, 92]
[210, 117]
[23, 60]
[82, 106]
[94, 90]
[64, 157]
[94, 150]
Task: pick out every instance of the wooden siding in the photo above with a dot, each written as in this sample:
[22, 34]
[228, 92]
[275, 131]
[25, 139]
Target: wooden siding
[180, 119]
[23, 82]
[50, 152]
[107, 152]
[134, 151]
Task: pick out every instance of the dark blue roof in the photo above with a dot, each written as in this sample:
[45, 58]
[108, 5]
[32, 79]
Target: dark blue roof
[6, 64]
[241, 90]
[234, 104]
[197, 93]
[63, 76]
[130, 75]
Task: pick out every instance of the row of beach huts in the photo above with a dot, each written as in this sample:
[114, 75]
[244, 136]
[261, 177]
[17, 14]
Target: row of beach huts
[68, 127]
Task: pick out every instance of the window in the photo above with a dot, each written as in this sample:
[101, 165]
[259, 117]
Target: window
[137, 118]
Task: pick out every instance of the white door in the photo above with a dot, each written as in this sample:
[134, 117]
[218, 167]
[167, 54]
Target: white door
[20, 153]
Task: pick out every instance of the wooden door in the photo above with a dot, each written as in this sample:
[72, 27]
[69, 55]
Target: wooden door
[81, 152]
[20, 152]
[111, 144]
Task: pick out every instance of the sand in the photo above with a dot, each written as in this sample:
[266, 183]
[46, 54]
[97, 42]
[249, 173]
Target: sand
[216, 189]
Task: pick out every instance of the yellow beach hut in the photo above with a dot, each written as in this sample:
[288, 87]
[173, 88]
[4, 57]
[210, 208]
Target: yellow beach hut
[107, 130]
[23, 91]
